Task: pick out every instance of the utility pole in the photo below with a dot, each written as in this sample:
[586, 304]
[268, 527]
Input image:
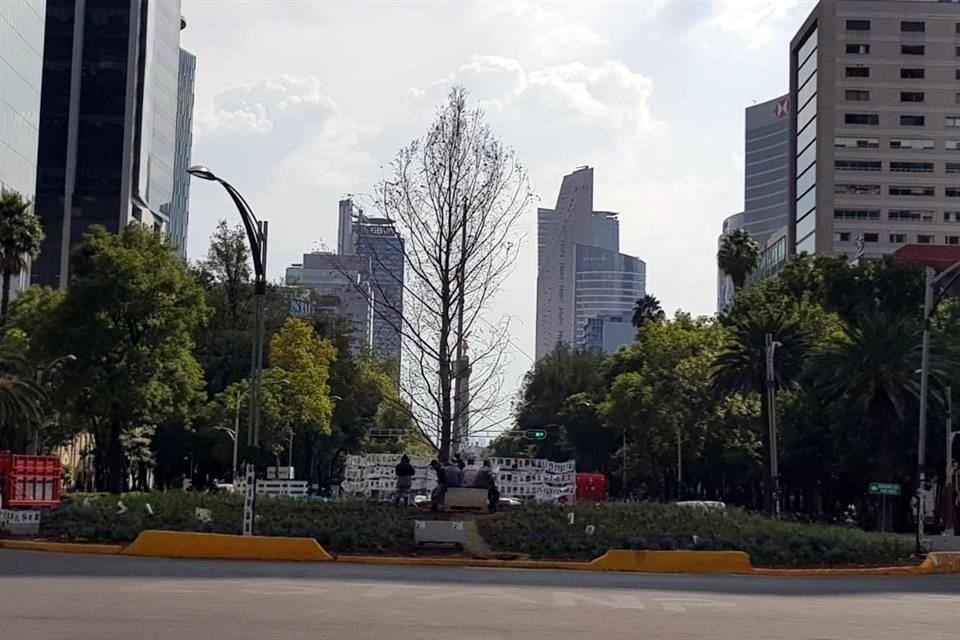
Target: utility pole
[771, 348]
[460, 368]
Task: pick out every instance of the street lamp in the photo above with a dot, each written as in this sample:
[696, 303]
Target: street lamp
[257, 236]
[40, 376]
[235, 432]
[771, 380]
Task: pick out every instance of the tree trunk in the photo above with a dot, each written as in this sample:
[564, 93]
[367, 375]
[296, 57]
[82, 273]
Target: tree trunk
[5, 296]
[115, 458]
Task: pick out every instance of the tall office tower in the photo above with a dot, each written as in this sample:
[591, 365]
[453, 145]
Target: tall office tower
[108, 122]
[765, 198]
[875, 128]
[586, 289]
[342, 287]
[21, 70]
[179, 212]
[378, 240]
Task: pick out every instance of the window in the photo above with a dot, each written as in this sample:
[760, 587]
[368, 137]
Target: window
[952, 122]
[871, 237]
[858, 49]
[842, 236]
[858, 143]
[858, 25]
[856, 214]
[911, 26]
[953, 239]
[911, 96]
[856, 95]
[912, 49]
[912, 167]
[920, 192]
[953, 167]
[858, 72]
[911, 143]
[951, 145]
[857, 189]
[956, 51]
[857, 165]
[952, 192]
[898, 238]
[956, 98]
[912, 74]
[924, 239]
[910, 215]
[958, 27]
[861, 118]
[951, 216]
[912, 121]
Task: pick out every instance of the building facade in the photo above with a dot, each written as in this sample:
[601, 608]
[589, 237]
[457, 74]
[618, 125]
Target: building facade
[765, 197]
[341, 286]
[21, 73]
[108, 120]
[875, 128]
[583, 281]
[179, 211]
[379, 241]
[725, 289]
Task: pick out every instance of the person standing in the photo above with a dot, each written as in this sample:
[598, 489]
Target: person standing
[487, 480]
[405, 473]
[468, 476]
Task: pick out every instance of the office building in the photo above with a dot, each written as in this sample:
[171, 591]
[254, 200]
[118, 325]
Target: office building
[765, 197]
[583, 281]
[378, 240]
[108, 122]
[179, 211]
[341, 285]
[875, 127]
[21, 71]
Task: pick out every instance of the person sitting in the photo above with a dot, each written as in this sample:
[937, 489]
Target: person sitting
[468, 477]
[487, 480]
[451, 474]
[405, 473]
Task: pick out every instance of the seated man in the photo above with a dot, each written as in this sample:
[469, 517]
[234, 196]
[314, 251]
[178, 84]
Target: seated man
[468, 477]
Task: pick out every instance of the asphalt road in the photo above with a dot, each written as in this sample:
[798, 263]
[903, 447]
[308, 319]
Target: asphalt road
[46, 596]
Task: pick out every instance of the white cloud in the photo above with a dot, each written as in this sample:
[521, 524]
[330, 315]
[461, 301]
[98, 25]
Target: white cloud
[548, 33]
[756, 22]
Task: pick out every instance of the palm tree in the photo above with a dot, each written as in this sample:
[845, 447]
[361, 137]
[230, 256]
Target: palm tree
[741, 367]
[738, 256]
[21, 399]
[871, 369]
[647, 309]
[20, 238]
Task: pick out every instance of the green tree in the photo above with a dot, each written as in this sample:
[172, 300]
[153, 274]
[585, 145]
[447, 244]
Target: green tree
[647, 309]
[738, 256]
[741, 366]
[129, 317]
[20, 238]
[22, 402]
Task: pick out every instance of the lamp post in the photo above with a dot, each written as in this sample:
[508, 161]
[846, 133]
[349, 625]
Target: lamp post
[257, 236]
[235, 432]
[930, 302]
[40, 376]
[771, 379]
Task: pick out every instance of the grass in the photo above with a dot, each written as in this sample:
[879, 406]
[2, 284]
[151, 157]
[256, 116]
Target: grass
[537, 531]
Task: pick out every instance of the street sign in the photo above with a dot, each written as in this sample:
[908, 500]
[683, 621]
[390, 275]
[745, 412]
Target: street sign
[884, 489]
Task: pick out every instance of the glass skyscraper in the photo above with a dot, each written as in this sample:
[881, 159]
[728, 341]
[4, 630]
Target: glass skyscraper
[107, 122]
[179, 210]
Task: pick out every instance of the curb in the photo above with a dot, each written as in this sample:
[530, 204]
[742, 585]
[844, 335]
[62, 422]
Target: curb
[213, 546]
[218, 546]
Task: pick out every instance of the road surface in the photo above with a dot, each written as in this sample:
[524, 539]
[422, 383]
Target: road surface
[46, 596]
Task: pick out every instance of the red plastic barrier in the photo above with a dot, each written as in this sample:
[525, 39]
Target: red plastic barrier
[29, 481]
[591, 487]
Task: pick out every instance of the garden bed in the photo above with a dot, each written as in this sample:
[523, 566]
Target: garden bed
[535, 531]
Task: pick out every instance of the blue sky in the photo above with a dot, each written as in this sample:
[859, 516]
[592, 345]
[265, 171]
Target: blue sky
[299, 103]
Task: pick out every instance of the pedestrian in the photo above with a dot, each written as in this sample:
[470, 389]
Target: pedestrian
[458, 461]
[405, 473]
[487, 480]
[468, 477]
[438, 493]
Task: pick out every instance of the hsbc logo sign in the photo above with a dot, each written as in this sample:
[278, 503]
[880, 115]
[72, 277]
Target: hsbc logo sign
[782, 108]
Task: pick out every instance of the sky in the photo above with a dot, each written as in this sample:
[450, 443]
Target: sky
[299, 103]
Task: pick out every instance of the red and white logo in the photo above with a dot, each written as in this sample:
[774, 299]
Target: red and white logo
[782, 108]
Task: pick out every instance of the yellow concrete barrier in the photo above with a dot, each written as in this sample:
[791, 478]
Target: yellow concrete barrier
[61, 547]
[941, 562]
[674, 561]
[215, 546]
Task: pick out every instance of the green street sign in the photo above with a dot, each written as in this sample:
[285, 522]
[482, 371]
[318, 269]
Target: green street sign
[535, 434]
[884, 489]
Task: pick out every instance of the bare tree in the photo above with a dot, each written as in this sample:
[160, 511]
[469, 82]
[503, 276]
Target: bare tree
[455, 195]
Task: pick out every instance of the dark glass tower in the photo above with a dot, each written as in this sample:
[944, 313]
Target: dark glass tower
[107, 122]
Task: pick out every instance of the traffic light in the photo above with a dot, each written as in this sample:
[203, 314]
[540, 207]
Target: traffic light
[535, 434]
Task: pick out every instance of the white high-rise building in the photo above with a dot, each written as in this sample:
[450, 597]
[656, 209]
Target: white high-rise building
[586, 288]
[875, 127]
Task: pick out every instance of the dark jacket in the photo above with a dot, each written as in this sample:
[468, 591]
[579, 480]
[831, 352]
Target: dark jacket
[405, 470]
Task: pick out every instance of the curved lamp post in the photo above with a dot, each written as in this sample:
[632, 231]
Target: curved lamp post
[257, 236]
[40, 378]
